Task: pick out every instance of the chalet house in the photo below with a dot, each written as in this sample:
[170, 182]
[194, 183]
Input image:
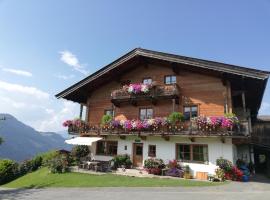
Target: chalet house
[143, 87]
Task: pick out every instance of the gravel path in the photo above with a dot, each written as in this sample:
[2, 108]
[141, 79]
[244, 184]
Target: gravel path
[233, 190]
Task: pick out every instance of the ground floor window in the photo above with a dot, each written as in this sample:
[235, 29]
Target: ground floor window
[192, 152]
[152, 150]
[108, 148]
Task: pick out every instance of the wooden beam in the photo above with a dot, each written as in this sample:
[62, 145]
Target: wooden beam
[81, 110]
[173, 105]
[229, 96]
[244, 102]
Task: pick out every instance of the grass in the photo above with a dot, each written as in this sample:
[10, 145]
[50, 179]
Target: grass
[43, 178]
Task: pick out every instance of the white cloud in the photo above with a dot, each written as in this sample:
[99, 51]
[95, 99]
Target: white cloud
[18, 72]
[71, 60]
[65, 77]
[265, 108]
[55, 119]
[12, 103]
[16, 88]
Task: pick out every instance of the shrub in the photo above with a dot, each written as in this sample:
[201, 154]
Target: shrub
[106, 119]
[154, 163]
[79, 152]
[224, 164]
[36, 162]
[174, 169]
[220, 174]
[121, 160]
[8, 171]
[59, 164]
[175, 117]
[25, 167]
[47, 156]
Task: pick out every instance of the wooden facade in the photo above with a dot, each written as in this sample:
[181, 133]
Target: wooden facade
[215, 88]
[207, 92]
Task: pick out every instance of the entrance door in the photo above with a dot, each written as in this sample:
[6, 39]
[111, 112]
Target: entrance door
[137, 154]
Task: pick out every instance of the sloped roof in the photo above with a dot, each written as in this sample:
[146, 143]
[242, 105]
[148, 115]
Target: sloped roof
[172, 58]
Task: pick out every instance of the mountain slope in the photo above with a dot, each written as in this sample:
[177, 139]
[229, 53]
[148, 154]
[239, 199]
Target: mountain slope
[23, 142]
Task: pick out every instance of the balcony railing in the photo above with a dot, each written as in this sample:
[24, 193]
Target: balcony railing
[155, 92]
[188, 128]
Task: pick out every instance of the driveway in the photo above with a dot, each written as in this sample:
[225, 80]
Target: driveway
[233, 190]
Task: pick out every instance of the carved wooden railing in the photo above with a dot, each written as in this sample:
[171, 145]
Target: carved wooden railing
[155, 92]
[185, 128]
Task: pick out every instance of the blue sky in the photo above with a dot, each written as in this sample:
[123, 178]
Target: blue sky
[46, 46]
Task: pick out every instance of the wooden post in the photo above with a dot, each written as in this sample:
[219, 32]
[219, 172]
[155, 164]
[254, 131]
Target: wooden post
[229, 96]
[173, 105]
[81, 110]
[244, 102]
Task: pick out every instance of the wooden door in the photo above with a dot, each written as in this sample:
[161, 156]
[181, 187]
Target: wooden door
[137, 154]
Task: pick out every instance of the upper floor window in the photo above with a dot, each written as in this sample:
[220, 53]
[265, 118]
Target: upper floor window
[146, 113]
[170, 79]
[190, 111]
[147, 81]
[109, 112]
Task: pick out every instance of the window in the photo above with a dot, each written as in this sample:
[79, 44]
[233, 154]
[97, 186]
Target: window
[109, 112]
[147, 81]
[192, 152]
[152, 150]
[190, 111]
[146, 113]
[108, 148]
[170, 79]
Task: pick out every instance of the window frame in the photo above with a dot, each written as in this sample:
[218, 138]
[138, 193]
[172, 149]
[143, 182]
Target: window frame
[191, 160]
[110, 109]
[106, 150]
[147, 78]
[150, 153]
[146, 108]
[190, 112]
[170, 79]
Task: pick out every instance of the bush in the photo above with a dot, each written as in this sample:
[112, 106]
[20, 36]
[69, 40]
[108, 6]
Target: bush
[8, 171]
[106, 119]
[224, 164]
[59, 164]
[175, 117]
[175, 169]
[79, 152]
[121, 160]
[36, 162]
[47, 156]
[25, 167]
[220, 174]
[154, 165]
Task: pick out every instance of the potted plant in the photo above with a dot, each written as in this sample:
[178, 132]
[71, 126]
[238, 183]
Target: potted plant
[175, 119]
[105, 121]
[187, 174]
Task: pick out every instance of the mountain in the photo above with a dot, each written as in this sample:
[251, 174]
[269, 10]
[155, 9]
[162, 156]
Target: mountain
[23, 142]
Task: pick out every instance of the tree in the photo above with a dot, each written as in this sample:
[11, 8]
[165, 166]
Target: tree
[1, 140]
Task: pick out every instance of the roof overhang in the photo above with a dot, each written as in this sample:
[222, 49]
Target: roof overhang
[78, 91]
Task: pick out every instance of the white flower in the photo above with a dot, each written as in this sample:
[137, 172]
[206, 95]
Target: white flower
[130, 89]
[144, 88]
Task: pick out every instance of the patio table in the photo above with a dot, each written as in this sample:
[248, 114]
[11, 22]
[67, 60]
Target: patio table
[93, 165]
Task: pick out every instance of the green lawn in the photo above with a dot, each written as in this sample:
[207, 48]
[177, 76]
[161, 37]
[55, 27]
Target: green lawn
[42, 178]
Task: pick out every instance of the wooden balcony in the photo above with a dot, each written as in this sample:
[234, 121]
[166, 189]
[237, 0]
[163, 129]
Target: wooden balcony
[188, 129]
[156, 93]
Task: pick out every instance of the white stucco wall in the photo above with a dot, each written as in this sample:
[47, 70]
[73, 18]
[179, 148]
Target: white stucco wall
[166, 149]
